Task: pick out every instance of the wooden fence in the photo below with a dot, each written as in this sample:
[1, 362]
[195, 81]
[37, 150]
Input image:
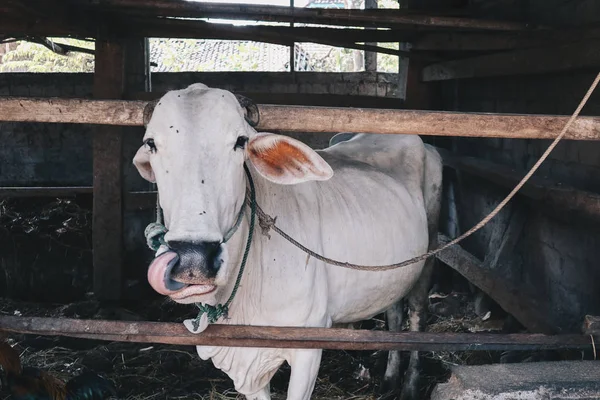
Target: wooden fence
[290, 119]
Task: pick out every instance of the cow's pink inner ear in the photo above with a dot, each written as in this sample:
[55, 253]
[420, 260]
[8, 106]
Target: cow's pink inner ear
[142, 163]
[286, 161]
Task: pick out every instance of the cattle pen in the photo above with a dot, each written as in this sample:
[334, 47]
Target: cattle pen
[451, 42]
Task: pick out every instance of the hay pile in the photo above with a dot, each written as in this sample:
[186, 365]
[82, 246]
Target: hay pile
[45, 249]
[142, 371]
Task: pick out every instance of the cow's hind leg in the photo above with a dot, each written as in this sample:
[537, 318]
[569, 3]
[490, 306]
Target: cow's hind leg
[391, 379]
[417, 314]
[418, 298]
[305, 368]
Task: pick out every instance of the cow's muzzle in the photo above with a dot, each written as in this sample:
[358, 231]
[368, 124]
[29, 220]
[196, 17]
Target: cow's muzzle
[186, 267]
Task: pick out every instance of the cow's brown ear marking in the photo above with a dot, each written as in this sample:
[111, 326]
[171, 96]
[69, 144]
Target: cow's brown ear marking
[284, 160]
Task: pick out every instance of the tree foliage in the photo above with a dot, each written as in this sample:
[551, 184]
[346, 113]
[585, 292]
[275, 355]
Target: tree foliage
[33, 57]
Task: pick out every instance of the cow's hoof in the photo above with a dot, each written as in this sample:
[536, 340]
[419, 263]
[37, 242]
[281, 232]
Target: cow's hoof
[390, 388]
[410, 392]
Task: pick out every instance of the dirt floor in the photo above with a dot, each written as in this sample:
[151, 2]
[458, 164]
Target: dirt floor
[142, 371]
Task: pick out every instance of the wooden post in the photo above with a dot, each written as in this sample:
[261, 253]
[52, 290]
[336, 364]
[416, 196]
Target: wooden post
[418, 94]
[370, 57]
[539, 60]
[107, 222]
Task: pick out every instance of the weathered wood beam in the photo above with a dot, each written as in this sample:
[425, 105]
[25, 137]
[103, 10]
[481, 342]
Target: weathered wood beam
[73, 111]
[155, 27]
[188, 29]
[522, 303]
[287, 337]
[353, 17]
[316, 119]
[18, 27]
[503, 242]
[67, 191]
[559, 200]
[303, 99]
[541, 60]
[269, 34]
[107, 219]
[55, 14]
[202, 30]
[485, 41]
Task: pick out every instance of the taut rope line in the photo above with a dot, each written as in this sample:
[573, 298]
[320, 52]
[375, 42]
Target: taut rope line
[267, 222]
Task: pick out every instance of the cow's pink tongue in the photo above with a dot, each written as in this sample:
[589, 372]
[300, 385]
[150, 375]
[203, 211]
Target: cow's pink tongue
[158, 274]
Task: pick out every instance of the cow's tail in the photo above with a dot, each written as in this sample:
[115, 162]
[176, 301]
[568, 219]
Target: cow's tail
[432, 192]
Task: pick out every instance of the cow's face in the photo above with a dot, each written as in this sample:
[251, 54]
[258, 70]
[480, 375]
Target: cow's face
[194, 149]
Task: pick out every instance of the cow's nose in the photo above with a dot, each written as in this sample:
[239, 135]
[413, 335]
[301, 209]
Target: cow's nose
[197, 262]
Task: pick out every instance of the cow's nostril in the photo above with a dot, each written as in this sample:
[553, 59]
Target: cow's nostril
[171, 284]
[212, 248]
[196, 261]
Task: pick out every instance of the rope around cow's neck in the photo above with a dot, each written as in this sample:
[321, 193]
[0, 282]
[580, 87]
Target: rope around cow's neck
[221, 310]
[155, 232]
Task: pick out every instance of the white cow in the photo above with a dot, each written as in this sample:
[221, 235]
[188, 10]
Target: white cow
[371, 200]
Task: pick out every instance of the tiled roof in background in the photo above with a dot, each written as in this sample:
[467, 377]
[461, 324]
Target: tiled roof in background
[176, 55]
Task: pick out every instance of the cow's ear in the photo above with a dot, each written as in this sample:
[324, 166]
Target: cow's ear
[142, 163]
[286, 161]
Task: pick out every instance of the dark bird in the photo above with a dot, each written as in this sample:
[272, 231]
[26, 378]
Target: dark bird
[28, 383]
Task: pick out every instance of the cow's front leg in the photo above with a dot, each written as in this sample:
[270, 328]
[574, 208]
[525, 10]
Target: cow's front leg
[305, 368]
[263, 394]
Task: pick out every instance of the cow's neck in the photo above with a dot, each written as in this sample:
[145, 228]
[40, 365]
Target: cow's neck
[260, 281]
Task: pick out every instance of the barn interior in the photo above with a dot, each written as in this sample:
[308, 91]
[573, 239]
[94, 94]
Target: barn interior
[489, 83]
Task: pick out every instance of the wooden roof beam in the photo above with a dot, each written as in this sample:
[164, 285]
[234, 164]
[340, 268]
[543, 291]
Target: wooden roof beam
[519, 62]
[352, 17]
[486, 41]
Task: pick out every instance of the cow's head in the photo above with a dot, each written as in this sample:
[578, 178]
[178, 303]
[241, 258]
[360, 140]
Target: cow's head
[195, 145]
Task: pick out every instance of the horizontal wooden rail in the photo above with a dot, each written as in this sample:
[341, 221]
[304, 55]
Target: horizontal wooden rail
[132, 200]
[41, 191]
[287, 337]
[316, 119]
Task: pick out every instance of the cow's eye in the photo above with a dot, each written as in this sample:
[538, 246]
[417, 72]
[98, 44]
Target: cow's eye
[241, 142]
[151, 145]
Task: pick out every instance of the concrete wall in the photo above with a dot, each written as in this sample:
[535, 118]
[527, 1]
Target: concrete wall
[558, 260]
